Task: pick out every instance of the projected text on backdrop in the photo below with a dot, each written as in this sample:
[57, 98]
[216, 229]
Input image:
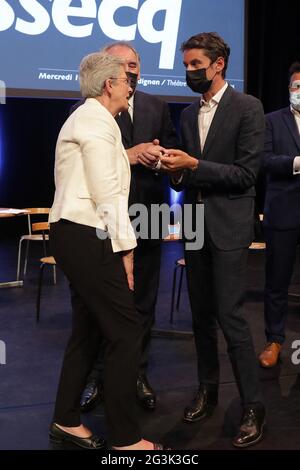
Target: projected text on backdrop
[42, 42]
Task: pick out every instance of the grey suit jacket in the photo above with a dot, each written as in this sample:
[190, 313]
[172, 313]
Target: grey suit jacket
[227, 168]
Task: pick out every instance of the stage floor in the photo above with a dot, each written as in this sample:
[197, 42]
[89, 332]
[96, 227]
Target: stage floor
[34, 352]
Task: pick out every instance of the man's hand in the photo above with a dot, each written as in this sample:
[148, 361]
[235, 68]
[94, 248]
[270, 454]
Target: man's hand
[176, 160]
[141, 149]
[151, 155]
[127, 258]
[133, 152]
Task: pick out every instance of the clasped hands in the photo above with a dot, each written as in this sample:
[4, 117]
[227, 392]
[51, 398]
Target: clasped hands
[155, 157]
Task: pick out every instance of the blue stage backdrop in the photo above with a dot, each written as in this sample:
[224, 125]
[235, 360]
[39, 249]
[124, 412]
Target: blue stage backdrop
[42, 42]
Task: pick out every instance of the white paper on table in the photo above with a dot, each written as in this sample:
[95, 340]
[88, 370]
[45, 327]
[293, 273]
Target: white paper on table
[13, 211]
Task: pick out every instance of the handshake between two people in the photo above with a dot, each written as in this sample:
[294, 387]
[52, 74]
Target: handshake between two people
[155, 157]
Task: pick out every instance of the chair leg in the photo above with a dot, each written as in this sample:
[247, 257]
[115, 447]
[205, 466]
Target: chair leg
[38, 299]
[173, 294]
[26, 258]
[19, 259]
[44, 246]
[54, 275]
[179, 287]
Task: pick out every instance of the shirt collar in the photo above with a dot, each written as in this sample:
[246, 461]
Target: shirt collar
[215, 100]
[295, 112]
[130, 101]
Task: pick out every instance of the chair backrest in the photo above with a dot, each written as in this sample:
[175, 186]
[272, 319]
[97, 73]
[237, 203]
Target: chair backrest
[32, 211]
[41, 227]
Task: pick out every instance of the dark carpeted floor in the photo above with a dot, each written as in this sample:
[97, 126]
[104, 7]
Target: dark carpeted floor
[34, 352]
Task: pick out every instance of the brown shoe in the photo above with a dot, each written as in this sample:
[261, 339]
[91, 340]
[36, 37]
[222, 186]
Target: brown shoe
[270, 355]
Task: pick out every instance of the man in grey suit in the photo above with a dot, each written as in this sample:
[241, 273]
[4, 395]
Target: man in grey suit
[222, 135]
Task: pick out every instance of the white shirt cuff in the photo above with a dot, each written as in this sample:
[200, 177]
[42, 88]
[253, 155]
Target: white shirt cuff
[296, 166]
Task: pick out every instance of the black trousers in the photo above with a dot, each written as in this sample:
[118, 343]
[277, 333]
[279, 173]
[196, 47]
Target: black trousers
[281, 251]
[103, 309]
[147, 257]
[216, 285]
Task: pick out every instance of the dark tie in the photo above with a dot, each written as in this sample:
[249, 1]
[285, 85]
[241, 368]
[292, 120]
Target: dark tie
[126, 126]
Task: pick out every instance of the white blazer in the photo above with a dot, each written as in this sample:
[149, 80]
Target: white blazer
[92, 174]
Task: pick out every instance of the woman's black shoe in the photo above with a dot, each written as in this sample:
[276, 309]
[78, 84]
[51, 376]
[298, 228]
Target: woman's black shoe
[58, 436]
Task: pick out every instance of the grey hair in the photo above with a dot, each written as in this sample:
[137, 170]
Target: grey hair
[94, 69]
[121, 44]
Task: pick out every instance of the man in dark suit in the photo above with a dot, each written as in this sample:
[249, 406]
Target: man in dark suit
[148, 122]
[281, 164]
[222, 134]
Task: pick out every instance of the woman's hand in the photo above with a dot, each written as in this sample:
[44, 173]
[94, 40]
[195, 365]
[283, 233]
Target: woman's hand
[127, 258]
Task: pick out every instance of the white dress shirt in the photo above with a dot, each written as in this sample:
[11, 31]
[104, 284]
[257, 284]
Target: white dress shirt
[130, 106]
[206, 114]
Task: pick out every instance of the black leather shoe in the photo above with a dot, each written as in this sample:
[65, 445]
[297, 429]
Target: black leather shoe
[91, 396]
[202, 406]
[251, 428]
[145, 393]
[58, 436]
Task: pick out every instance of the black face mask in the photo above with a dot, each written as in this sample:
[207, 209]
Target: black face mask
[133, 77]
[197, 80]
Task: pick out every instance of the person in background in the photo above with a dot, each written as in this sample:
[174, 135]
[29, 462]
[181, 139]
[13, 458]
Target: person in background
[92, 240]
[222, 134]
[281, 165]
[147, 122]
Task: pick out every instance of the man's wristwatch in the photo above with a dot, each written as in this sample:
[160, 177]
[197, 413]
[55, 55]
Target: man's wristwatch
[195, 165]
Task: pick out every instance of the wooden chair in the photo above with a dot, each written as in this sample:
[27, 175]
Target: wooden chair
[173, 236]
[45, 261]
[30, 237]
[179, 265]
